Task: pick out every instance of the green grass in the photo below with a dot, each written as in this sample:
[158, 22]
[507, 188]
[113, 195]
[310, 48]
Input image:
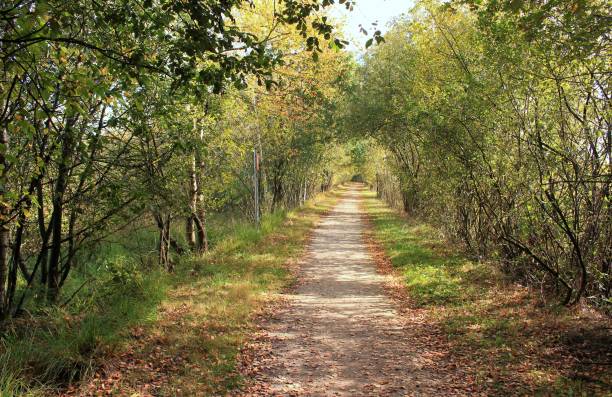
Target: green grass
[61, 345]
[202, 312]
[510, 342]
[231, 284]
[432, 279]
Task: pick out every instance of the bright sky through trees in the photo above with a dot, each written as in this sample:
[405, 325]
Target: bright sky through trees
[367, 12]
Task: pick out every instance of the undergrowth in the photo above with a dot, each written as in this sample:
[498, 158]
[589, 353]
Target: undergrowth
[132, 319]
[58, 345]
[507, 339]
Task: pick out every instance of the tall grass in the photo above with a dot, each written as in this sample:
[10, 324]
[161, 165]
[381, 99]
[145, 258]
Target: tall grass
[118, 290]
[61, 345]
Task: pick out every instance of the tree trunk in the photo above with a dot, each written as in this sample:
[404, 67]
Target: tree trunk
[193, 203]
[406, 204]
[164, 242]
[4, 227]
[305, 195]
[200, 207]
[202, 233]
[277, 195]
[197, 202]
[61, 184]
[44, 233]
[409, 199]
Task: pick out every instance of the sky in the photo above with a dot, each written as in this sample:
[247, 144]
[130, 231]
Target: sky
[367, 11]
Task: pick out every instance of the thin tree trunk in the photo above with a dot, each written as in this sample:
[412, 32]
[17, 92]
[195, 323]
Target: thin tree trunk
[202, 235]
[193, 203]
[164, 243]
[4, 227]
[199, 207]
[200, 215]
[44, 235]
[54, 271]
[56, 244]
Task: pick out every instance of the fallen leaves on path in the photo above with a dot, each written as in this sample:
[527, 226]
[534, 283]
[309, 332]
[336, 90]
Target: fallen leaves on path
[338, 333]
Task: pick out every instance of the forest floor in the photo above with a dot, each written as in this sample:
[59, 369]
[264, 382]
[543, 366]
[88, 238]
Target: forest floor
[384, 306]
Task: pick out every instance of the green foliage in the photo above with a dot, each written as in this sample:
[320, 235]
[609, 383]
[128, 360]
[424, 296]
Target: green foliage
[116, 111]
[493, 120]
[65, 345]
[125, 120]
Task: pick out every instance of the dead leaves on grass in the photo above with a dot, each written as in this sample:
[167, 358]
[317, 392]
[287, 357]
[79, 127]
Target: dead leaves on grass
[525, 349]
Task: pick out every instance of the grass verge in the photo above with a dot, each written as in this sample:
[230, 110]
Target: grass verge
[506, 341]
[132, 332]
[205, 317]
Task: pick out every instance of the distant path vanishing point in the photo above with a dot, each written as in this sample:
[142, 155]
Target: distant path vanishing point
[340, 334]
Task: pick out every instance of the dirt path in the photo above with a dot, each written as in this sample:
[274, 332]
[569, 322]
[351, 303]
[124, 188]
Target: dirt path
[340, 334]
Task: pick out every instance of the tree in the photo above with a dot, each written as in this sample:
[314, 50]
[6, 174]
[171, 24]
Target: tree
[87, 89]
[495, 117]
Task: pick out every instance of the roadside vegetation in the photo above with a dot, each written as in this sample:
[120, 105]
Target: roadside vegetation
[140, 143]
[502, 335]
[159, 333]
[492, 120]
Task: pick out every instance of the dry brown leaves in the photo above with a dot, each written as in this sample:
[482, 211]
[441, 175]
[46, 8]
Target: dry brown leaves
[144, 367]
[548, 347]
